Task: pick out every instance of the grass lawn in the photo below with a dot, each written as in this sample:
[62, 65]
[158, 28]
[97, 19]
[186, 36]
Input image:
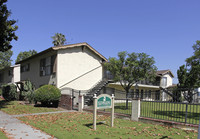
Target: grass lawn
[79, 125]
[171, 111]
[164, 111]
[2, 135]
[14, 108]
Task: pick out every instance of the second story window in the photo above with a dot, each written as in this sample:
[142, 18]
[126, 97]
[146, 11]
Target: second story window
[47, 65]
[163, 82]
[25, 67]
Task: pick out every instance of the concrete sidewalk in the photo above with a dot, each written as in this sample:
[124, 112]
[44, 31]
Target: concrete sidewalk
[17, 130]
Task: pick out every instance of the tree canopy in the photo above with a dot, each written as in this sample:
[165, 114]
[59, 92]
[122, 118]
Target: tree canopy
[7, 27]
[130, 68]
[189, 74]
[23, 55]
[5, 59]
[58, 39]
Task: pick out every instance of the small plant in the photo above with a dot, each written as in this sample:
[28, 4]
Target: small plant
[47, 95]
[28, 92]
[9, 92]
[0, 91]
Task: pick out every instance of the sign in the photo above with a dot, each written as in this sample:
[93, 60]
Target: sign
[104, 101]
[101, 102]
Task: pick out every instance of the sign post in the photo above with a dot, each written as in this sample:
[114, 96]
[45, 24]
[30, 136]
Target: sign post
[112, 113]
[103, 101]
[95, 112]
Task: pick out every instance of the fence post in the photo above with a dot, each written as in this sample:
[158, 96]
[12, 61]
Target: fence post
[94, 111]
[135, 109]
[80, 103]
[186, 113]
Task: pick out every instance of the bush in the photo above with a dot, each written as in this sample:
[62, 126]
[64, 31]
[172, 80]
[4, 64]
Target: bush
[9, 92]
[47, 94]
[0, 91]
[28, 92]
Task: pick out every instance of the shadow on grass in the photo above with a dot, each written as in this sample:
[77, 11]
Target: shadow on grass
[164, 137]
[178, 114]
[45, 106]
[4, 103]
[91, 124]
[122, 107]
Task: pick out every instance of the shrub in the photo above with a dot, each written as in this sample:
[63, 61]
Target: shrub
[0, 91]
[47, 94]
[9, 92]
[28, 92]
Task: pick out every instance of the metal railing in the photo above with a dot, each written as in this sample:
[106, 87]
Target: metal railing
[171, 111]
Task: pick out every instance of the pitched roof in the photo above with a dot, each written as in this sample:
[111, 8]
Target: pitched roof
[163, 72]
[55, 48]
[79, 45]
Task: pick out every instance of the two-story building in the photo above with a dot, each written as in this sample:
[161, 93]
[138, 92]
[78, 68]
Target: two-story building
[144, 89]
[80, 67]
[77, 66]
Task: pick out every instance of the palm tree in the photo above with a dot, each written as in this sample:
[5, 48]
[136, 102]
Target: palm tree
[58, 39]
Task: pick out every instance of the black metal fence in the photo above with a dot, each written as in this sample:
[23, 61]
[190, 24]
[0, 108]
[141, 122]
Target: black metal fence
[171, 111]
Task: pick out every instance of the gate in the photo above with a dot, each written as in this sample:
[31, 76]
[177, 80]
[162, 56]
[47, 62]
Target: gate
[69, 99]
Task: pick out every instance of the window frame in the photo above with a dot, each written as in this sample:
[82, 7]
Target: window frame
[25, 67]
[46, 68]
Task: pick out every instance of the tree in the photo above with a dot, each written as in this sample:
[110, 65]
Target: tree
[131, 68]
[23, 55]
[193, 65]
[189, 74]
[5, 59]
[7, 28]
[58, 39]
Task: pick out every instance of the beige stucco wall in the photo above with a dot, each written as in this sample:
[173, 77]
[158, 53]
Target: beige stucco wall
[78, 68]
[16, 73]
[169, 79]
[34, 74]
[6, 78]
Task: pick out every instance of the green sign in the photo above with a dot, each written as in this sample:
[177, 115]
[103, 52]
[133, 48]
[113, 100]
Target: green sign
[103, 101]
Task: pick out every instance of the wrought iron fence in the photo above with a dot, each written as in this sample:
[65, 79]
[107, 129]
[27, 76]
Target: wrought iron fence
[171, 111]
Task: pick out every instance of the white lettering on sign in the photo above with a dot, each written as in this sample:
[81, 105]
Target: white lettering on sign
[104, 103]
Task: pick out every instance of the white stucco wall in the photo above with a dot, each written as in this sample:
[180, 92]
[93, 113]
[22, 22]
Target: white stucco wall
[34, 73]
[76, 68]
[16, 73]
[169, 79]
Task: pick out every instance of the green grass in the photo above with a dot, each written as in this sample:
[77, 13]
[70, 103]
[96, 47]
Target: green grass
[164, 111]
[79, 125]
[171, 111]
[15, 107]
[2, 135]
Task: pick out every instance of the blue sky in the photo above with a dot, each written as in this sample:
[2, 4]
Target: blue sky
[164, 29]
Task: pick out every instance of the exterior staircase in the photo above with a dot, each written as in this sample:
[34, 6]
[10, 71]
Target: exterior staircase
[88, 99]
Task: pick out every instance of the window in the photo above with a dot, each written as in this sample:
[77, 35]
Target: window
[157, 95]
[142, 92]
[164, 82]
[47, 65]
[137, 93]
[25, 67]
[149, 94]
